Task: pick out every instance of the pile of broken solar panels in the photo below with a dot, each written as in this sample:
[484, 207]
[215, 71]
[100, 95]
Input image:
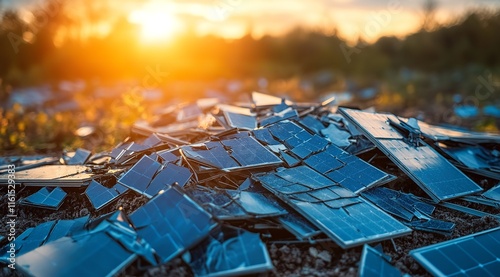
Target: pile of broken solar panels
[219, 177]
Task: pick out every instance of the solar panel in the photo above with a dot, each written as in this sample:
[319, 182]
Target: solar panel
[171, 174]
[348, 170]
[172, 222]
[48, 198]
[104, 251]
[312, 123]
[344, 217]
[336, 135]
[298, 226]
[256, 204]
[421, 163]
[81, 156]
[139, 176]
[375, 263]
[242, 121]
[52, 175]
[289, 113]
[100, 196]
[230, 251]
[264, 136]
[297, 139]
[473, 255]
[232, 154]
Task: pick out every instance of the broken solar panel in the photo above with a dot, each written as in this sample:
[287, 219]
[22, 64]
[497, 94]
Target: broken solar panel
[441, 133]
[49, 198]
[348, 170]
[238, 117]
[232, 154]
[473, 255]
[172, 222]
[490, 197]
[297, 139]
[476, 159]
[413, 212]
[100, 196]
[375, 263]
[289, 113]
[336, 135]
[256, 204]
[45, 232]
[103, 251]
[229, 251]
[140, 175]
[432, 172]
[298, 225]
[81, 156]
[169, 175]
[344, 217]
[52, 175]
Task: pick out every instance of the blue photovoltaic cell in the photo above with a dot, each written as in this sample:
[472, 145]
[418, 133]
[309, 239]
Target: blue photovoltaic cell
[289, 113]
[230, 251]
[171, 222]
[339, 213]
[312, 123]
[242, 121]
[348, 170]
[231, 154]
[422, 163]
[374, 263]
[139, 176]
[50, 198]
[297, 139]
[80, 157]
[218, 204]
[166, 177]
[473, 255]
[264, 136]
[101, 196]
[256, 204]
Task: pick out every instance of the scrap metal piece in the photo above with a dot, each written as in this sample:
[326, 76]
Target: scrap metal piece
[48, 198]
[172, 222]
[473, 255]
[432, 172]
[349, 171]
[229, 251]
[340, 214]
[100, 196]
[376, 263]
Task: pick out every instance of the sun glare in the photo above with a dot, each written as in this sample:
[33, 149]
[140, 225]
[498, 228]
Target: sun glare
[157, 24]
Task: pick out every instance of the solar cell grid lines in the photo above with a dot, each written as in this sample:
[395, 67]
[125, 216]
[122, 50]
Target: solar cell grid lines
[49, 198]
[339, 213]
[473, 255]
[422, 164]
[100, 196]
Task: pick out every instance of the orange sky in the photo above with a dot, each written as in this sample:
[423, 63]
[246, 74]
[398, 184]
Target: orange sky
[369, 19]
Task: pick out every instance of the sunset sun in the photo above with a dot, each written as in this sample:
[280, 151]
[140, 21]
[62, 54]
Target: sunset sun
[157, 24]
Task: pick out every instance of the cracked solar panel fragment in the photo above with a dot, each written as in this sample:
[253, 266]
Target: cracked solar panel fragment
[238, 117]
[104, 251]
[441, 133]
[473, 255]
[413, 213]
[229, 251]
[312, 123]
[336, 135]
[101, 196]
[490, 197]
[169, 175]
[289, 113]
[298, 226]
[348, 170]
[167, 156]
[81, 156]
[140, 174]
[48, 198]
[344, 217]
[256, 204]
[264, 136]
[219, 204]
[172, 222]
[232, 154]
[297, 139]
[376, 263]
[431, 171]
[45, 232]
[475, 159]
[152, 141]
